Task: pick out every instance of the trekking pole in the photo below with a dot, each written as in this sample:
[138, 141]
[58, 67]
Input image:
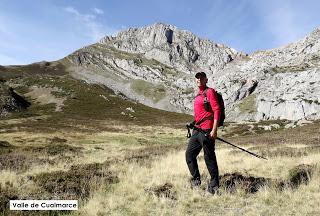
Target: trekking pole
[258, 156]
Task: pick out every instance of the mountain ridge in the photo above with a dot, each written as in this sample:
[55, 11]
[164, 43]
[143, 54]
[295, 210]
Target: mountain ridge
[155, 65]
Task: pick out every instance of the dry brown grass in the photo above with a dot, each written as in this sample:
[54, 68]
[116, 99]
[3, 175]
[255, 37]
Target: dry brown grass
[150, 177]
[129, 196]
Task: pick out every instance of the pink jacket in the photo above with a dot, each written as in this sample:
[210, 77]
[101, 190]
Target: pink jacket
[200, 112]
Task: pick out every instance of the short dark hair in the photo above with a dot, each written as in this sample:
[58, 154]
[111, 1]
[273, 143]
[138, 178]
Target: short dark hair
[200, 74]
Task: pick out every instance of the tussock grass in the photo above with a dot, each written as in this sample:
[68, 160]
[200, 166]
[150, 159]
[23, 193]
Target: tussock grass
[146, 188]
[75, 183]
[8, 177]
[59, 159]
[129, 196]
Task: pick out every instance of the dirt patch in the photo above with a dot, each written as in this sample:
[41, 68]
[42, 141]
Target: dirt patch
[5, 144]
[232, 181]
[166, 190]
[300, 174]
[77, 182]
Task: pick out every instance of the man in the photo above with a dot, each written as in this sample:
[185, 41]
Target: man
[204, 134]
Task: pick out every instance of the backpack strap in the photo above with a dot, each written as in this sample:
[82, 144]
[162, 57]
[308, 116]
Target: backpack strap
[204, 93]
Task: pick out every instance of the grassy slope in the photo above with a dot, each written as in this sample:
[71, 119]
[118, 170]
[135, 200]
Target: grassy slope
[92, 105]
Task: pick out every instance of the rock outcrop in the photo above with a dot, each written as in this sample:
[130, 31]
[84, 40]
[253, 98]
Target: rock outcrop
[10, 101]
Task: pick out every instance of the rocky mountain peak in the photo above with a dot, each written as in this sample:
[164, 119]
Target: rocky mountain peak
[155, 66]
[175, 47]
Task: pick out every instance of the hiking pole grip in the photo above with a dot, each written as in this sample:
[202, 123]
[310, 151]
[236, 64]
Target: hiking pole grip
[188, 133]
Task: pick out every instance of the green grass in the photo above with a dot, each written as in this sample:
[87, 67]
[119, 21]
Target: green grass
[313, 60]
[151, 91]
[248, 105]
[293, 68]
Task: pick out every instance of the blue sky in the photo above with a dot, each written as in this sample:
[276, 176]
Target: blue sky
[36, 30]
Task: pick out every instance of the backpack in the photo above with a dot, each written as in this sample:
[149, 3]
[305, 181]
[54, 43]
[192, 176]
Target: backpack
[208, 108]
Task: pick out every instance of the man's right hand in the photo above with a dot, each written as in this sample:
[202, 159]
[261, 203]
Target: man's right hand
[213, 134]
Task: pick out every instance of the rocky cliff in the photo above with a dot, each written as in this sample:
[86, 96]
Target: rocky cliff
[155, 65]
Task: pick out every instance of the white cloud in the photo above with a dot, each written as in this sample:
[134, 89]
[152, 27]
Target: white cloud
[98, 11]
[82, 17]
[95, 29]
[71, 10]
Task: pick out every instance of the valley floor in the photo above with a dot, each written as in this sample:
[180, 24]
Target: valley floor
[142, 171]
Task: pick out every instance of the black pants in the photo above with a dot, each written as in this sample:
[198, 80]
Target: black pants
[197, 141]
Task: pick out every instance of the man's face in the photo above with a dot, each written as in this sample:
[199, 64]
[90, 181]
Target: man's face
[201, 81]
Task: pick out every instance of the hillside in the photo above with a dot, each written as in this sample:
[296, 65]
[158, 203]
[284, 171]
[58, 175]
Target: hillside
[58, 102]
